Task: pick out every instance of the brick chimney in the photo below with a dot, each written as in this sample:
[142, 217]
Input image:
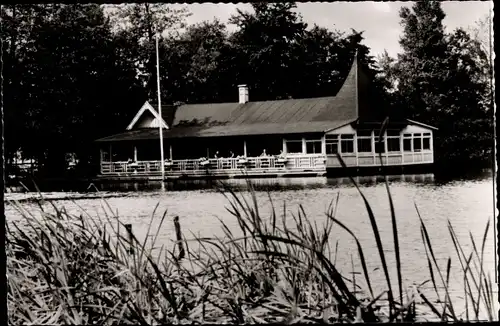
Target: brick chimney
[243, 91]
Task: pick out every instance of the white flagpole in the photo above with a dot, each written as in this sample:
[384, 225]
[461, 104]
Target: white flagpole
[492, 95]
[159, 111]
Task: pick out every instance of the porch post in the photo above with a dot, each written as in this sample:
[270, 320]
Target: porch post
[110, 153]
[432, 146]
[135, 153]
[101, 157]
[284, 145]
[245, 148]
[412, 149]
[323, 145]
[170, 150]
[304, 146]
[355, 145]
[374, 149]
[401, 142]
[386, 149]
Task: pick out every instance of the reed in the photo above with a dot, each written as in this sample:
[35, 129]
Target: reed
[280, 268]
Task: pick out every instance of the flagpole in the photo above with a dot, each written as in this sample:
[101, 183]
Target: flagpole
[492, 96]
[160, 125]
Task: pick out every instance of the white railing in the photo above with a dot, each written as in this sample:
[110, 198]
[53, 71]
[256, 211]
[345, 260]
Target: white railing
[269, 164]
[311, 162]
[370, 159]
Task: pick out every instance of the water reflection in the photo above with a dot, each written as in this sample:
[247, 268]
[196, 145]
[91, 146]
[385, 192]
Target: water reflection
[267, 184]
[467, 205]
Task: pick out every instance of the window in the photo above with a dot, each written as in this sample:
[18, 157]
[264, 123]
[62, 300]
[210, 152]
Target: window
[407, 142]
[294, 146]
[364, 141]
[332, 144]
[380, 146]
[393, 133]
[393, 144]
[313, 147]
[347, 143]
[393, 141]
[364, 145]
[417, 142]
[426, 144]
[426, 141]
[364, 133]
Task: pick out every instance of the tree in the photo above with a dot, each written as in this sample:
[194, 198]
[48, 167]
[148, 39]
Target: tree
[74, 84]
[17, 26]
[268, 43]
[439, 81]
[197, 66]
[422, 64]
[140, 23]
[481, 32]
[469, 105]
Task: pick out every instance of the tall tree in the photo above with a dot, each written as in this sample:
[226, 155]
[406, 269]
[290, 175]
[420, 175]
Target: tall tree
[422, 64]
[268, 42]
[140, 23]
[471, 134]
[197, 65]
[439, 80]
[17, 25]
[73, 81]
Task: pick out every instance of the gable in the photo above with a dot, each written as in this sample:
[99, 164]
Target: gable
[147, 117]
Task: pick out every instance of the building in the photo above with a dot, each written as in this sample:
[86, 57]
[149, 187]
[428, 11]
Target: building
[294, 137]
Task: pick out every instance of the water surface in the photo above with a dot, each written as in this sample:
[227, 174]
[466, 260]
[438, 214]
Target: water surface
[467, 204]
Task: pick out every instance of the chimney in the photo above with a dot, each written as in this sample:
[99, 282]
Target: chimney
[243, 91]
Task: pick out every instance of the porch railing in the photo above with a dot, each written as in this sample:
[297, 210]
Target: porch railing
[219, 165]
[370, 159]
[270, 164]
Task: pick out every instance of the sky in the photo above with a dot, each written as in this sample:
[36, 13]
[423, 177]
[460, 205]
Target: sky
[379, 20]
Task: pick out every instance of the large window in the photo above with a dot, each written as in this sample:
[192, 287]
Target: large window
[417, 142]
[393, 141]
[332, 144]
[426, 141]
[294, 146]
[313, 146]
[407, 142]
[379, 145]
[347, 143]
[393, 144]
[364, 141]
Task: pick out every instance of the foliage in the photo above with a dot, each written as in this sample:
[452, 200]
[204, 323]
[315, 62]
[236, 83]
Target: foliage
[439, 79]
[68, 67]
[86, 270]
[67, 75]
[140, 23]
[196, 67]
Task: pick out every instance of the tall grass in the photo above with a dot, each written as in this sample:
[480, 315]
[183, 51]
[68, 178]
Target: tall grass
[80, 270]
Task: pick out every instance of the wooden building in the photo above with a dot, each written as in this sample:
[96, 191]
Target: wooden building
[294, 137]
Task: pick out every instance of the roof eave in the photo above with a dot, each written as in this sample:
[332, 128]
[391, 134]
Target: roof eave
[421, 124]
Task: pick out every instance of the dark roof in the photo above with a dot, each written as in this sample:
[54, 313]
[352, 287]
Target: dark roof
[167, 111]
[265, 117]
[228, 130]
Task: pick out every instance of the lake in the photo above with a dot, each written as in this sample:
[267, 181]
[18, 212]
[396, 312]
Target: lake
[466, 203]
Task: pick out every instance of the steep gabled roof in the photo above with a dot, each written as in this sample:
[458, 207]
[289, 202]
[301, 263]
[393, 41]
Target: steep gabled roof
[341, 107]
[266, 117]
